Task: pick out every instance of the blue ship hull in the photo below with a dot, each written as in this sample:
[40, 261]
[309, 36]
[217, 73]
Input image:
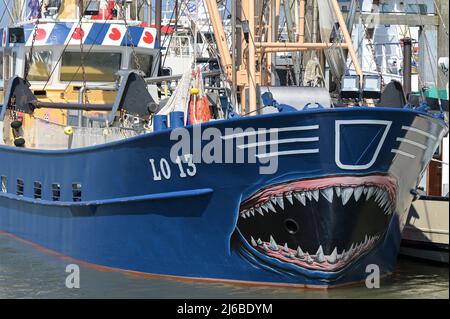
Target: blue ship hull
[141, 212]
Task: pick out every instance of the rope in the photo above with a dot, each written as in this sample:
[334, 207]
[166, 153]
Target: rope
[130, 39]
[85, 97]
[441, 18]
[374, 56]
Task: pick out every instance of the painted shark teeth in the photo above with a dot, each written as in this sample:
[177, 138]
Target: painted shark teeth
[301, 197]
[300, 253]
[346, 195]
[334, 259]
[278, 203]
[315, 194]
[273, 244]
[320, 258]
[273, 199]
[289, 198]
[370, 192]
[358, 192]
[265, 208]
[260, 211]
[328, 193]
[270, 206]
[308, 195]
[338, 191]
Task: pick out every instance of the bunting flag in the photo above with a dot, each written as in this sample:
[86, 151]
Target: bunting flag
[107, 34]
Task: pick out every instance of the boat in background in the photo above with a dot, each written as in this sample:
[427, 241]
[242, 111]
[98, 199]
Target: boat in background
[426, 232]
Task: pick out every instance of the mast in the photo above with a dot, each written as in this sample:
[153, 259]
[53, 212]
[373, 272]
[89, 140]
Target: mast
[233, 56]
[347, 38]
[407, 68]
[158, 19]
[149, 13]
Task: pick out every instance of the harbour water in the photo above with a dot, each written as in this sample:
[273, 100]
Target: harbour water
[29, 273]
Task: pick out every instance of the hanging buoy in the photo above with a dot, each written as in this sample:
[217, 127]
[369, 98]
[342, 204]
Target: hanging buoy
[199, 111]
[195, 91]
[68, 130]
[16, 124]
[19, 141]
[107, 132]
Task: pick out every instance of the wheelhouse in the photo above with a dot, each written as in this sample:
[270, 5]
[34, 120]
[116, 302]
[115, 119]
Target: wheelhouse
[68, 62]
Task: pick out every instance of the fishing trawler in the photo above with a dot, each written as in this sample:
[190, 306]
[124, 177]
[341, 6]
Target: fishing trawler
[286, 186]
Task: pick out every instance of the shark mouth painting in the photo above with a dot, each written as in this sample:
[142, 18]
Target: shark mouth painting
[320, 224]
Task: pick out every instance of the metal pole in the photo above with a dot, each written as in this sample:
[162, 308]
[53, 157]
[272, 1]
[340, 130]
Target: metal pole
[6, 67]
[158, 18]
[149, 13]
[407, 56]
[315, 25]
[13, 21]
[176, 15]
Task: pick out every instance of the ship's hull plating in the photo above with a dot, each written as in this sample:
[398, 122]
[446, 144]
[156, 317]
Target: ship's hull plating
[216, 221]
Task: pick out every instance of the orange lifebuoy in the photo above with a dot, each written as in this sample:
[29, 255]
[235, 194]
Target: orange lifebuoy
[199, 111]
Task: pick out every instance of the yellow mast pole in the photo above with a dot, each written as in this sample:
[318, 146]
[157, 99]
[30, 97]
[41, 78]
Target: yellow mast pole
[221, 39]
[348, 38]
[301, 32]
[268, 75]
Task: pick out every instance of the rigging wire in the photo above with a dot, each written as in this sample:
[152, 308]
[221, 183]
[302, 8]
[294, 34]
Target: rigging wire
[4, 12]
[438, 11]
[374, 55]
[30, 59]
[130, 39]
[83, 70]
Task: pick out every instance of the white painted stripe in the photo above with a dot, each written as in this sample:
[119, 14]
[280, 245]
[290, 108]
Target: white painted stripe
[298, 152]
[273, 130]
[404, 140]
[416, 130]
[403, 153]
[277, 142]
[440, 162]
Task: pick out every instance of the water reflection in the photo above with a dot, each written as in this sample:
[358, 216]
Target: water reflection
[27, 273]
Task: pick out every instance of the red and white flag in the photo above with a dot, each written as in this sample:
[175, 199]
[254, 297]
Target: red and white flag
[115, 35]
[42, 31]
[78, 33]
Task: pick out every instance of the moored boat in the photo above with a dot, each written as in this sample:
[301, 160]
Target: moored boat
[302, 195]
